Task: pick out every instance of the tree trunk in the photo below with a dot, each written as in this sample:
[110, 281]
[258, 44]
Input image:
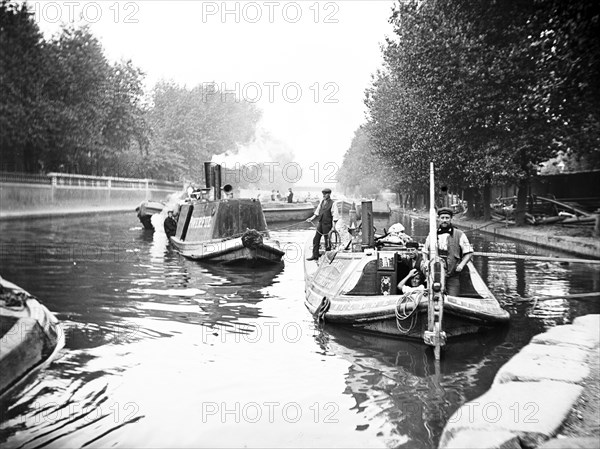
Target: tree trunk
[487, 199]
[523, 187]
[471, 198]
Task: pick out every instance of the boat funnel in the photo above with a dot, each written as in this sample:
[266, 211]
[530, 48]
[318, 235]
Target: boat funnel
[208, 175]
[217, 186]
[212, 177]
[368, 234]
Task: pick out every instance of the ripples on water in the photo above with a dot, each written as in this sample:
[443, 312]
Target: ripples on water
[162, 351]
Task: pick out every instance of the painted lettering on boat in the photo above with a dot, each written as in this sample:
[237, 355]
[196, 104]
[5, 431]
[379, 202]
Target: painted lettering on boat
[200, 222]
[329, 274]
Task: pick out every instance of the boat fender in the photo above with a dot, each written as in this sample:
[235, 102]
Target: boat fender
[322, 309]
[252, 239]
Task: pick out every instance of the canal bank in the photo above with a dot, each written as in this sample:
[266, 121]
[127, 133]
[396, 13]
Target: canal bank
[63, 211]
[548, 236]
[545, 396]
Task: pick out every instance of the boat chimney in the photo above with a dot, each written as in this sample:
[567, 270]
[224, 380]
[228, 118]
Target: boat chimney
[208, 175]
[368, 235]
[217, 179]
[212, 177]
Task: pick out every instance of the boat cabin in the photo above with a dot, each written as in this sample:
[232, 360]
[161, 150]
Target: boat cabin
[208, 220]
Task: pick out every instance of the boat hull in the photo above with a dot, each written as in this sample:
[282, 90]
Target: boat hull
[225, 231]
[381, 208]
[229, 251]
[31, 338]
[415, 326]
[145, 211]
[277, 213]
[355, 292]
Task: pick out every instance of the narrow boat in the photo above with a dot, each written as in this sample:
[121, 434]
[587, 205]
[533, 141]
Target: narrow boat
[281, 212]
[381, 208]
[226, 230]
[146, 209]
[356, 285]
[31, 337]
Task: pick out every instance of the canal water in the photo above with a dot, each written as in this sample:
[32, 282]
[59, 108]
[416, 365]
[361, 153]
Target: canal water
[162, 351]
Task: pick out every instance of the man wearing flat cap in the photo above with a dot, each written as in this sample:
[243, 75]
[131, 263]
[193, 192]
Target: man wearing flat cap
[453, 247]
[327, 215]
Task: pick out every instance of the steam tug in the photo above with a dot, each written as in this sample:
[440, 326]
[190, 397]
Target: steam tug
[357, 286]
[213, 228]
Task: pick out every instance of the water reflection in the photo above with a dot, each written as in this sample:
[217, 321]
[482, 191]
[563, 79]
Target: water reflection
[399, 386]
[152, 338]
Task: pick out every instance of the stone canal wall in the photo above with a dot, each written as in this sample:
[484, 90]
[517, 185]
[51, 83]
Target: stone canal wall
[546, 237]
[534, 393]
[25, 194]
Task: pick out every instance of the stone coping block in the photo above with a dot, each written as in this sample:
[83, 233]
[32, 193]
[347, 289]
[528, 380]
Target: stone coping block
[534, 409]
[580, 336]
[538, 362]
[566, 352]
[571, 443]
[591, 322]
[473, 439]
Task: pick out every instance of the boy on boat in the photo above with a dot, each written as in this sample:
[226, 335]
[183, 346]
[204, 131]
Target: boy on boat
[414, 279]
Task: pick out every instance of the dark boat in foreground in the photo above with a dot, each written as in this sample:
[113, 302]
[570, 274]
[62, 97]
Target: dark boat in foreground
[31, 337]
[226, 230]
[357, 286]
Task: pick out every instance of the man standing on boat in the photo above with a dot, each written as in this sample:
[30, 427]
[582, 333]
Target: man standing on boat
[328, 216]
[290, 196]
[170, 224]
[453, 247]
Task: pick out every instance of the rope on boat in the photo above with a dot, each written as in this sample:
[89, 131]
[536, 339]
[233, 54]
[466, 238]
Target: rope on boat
[533, 257]
[252, 239]
[291, 226]
[403, 315]
[546, 298]
[235, 236]
[478, 227]
[12, 299]
[322, 309]
[330, 235]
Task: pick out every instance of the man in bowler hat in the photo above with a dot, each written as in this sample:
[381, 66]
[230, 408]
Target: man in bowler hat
[328, 216]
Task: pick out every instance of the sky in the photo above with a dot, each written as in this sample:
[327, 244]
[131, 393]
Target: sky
[305, 64]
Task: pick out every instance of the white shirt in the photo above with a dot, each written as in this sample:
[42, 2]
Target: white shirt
[334, 210]
[409, 289]
[463, 242]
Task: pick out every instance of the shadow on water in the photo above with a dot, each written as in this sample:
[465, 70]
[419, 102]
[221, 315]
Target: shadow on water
[120, 300]
[401, 380]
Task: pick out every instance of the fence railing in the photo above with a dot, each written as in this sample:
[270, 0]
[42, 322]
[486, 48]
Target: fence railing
[24, 178]
[68, 180]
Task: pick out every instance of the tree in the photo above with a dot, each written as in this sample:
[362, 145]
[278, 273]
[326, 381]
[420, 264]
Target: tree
[483, 90]
[22, 68]
[362, 168]
[192, 125]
